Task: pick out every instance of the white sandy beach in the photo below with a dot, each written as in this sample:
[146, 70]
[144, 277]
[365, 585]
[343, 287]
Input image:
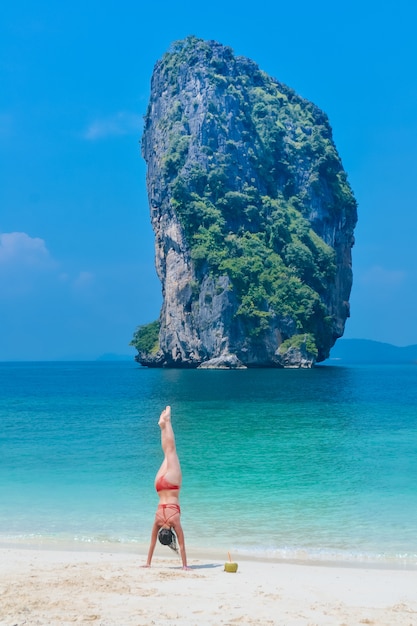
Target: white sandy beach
[41, 586]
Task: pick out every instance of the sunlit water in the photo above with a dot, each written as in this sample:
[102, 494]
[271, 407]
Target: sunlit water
[316, 465]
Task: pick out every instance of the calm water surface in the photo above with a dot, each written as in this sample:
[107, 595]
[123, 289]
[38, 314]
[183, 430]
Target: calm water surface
[291, 464]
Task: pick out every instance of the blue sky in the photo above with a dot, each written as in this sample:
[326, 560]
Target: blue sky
[76, 247]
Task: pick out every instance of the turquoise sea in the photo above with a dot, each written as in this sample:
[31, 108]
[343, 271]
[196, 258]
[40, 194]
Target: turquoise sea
[316, 465]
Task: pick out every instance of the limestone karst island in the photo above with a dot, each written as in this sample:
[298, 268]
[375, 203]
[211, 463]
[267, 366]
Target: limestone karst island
[252, 213]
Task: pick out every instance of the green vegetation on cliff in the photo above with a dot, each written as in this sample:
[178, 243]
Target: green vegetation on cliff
[299, 341]
[145, 338]
[257, 234]
[250, 170]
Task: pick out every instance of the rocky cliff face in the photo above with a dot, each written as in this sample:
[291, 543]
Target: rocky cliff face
[252, 214]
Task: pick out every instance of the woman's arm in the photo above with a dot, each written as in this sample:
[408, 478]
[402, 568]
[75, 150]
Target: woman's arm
[181, 543]
[154, 537]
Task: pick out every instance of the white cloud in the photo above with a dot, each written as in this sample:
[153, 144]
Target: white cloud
[27, 267]
[83, 280]
[20, 250]
[121, 123]
[380, 277]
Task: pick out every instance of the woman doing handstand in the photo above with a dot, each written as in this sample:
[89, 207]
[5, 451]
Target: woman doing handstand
[168, 484]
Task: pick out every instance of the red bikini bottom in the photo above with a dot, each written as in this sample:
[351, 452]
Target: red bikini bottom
[163, 514]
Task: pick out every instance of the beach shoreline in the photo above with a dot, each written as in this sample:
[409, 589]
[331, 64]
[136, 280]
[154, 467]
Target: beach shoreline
[106, 585]
[106, 546]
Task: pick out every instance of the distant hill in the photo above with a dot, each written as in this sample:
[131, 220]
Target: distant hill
[367, 351]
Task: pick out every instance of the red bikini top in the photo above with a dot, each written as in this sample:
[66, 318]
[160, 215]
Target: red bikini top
[162, 483]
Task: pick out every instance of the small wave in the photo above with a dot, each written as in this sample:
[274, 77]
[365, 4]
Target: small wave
[329, 557]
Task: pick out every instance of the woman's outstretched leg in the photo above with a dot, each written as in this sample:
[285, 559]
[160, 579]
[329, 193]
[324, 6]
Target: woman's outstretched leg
[170, 467]
[167, 433]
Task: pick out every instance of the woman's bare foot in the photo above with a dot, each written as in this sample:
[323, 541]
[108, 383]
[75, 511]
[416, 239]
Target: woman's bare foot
[165, 416]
